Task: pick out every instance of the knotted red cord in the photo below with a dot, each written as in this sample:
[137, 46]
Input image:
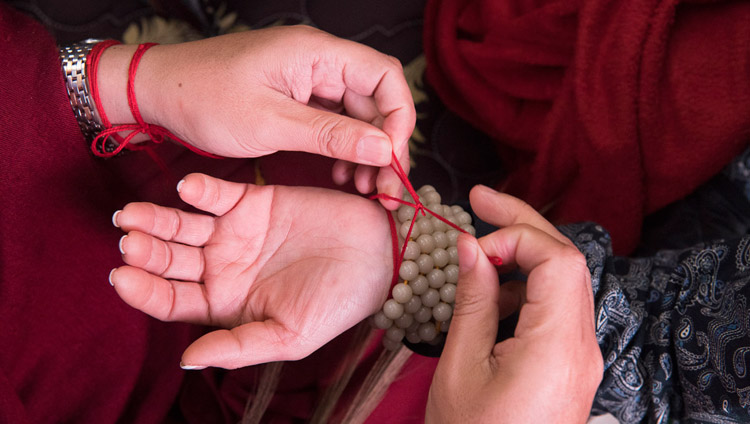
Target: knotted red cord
[156, 133]
[418, 207]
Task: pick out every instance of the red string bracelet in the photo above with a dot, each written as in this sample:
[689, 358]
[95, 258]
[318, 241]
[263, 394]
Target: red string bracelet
[398, 257]
[156, 133]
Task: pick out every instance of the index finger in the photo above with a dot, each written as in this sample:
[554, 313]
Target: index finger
[558, 276]
[382, 77]
[373, 74]
[503, 210]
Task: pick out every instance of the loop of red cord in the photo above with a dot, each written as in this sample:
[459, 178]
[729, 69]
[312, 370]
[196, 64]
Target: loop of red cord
[398, 257]
[156, 133]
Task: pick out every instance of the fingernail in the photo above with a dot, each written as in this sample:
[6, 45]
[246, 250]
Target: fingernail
[114, 218]
[467, 253]
[120, 243]
[191, 367]
[110, 277]
[179, 185]
[374, 150]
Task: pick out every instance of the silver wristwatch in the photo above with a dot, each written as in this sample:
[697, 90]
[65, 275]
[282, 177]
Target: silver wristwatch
[73, 59]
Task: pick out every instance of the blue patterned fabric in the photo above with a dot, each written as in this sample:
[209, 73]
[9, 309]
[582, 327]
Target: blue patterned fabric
[674, 327]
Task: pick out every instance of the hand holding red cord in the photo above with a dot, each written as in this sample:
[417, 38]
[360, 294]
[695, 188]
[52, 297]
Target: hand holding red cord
[550, 370]
[287, 88]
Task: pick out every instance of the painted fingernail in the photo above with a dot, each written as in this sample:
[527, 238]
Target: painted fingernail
[179, 185]
[110, 277]
[374, 150]
[191, 367]
[114, 218]
[122, 239]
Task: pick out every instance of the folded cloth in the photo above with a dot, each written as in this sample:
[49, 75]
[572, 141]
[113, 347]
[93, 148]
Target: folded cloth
[605, 110]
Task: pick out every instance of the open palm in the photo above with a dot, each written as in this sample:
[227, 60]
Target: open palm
[283, 269]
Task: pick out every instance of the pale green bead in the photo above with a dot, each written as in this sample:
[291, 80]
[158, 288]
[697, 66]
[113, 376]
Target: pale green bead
[425, 189]
[469, 229]
[412, 251]
[447, 293]
[426, 243]
[408, 270]
[381, 321]
[432, 197]
[437, 224]
[401, 293]
[405, 320]
[425, 263]
[440, 257]
[413, 337]
[405, 213]
[392, 309]
[427, 331]
[441, 239]
[453, 254]
[425, 226]
[404, 229]
[445, 326]
[396, 334]
[413, 304]
[419, 285]
[424, 314]
[430, 298]
[441, 312]
[447, 211]
[451, 273]
[463, 218]
[435, 207]
[457, 209]
[452, 236]
[436, 278]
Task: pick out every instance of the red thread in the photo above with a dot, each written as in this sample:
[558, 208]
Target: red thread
[418, 207]
[156, 133]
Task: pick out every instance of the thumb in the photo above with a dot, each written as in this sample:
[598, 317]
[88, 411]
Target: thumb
[248, 344]
[329, 134]
[473, 329]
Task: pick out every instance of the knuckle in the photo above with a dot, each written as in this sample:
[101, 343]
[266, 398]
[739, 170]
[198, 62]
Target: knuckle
[574, 259]
[468, 304]
[525, 209]
[331, 135]
[396, 63]
[175, 223]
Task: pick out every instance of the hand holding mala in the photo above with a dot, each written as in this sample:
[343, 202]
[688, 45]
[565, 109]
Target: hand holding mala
[422, 302]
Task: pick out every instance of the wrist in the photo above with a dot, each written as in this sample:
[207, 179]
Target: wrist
[113, 82]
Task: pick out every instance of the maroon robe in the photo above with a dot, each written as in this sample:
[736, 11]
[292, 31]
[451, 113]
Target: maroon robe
[604, 110]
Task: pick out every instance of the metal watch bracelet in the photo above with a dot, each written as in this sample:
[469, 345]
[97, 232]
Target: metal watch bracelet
[73, 61]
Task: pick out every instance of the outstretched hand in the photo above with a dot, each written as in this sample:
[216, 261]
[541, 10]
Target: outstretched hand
[283, 270]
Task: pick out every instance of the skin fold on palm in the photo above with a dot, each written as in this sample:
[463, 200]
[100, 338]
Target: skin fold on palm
[283, 270]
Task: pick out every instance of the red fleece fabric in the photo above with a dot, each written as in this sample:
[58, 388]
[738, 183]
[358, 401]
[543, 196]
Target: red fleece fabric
[70, 349]
[604, 110]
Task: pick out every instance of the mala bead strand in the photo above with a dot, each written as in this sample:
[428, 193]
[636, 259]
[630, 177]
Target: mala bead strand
[421, 304]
